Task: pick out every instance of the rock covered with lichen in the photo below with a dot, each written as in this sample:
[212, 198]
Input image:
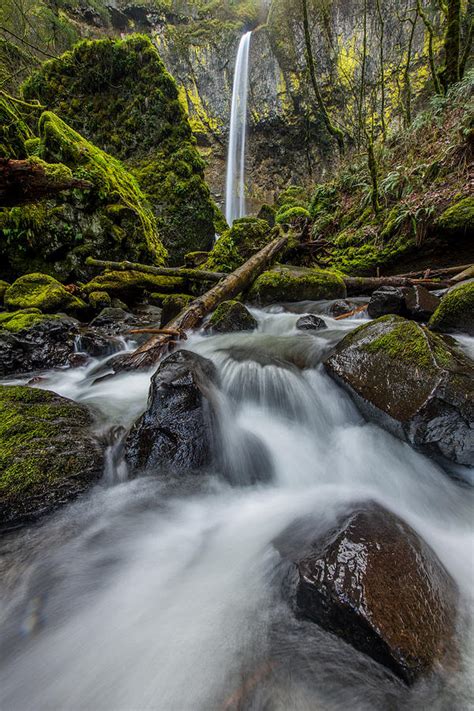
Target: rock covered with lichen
[48, 454]
[118, 94]
[412, 382]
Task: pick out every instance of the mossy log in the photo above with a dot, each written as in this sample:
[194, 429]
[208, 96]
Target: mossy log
[24, 181]
[192, 274]
[150, 352]
[357, 286]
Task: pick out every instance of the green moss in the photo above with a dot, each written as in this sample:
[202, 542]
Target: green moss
[130, 283]
[409, 342]
[292, 215]
[3, 287]
[297, 284]
[235, 246]
[456, 311]
[14, 130]
[22, 320]
[99, 300]
[40, 291]
[230, 317]
[459, 217]
[172, 305]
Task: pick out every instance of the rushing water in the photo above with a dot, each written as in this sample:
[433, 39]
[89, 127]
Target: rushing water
[235, 181]
[166, 594]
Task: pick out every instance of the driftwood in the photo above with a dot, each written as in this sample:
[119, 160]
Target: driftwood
[24, 181]
[192, 274]
[357, 286]
[148, 354]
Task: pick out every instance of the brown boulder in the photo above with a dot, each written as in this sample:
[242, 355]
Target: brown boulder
[376, 584]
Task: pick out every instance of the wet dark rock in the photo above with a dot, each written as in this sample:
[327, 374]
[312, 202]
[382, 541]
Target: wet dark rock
[48, 454]
[112, 319]
[97, 345]
[232, 317]
[341, 307]
[376, 584]
[310, 322]
[46, 344]
[414, 302]
[172, 305]
[175, 432]
[412, 382]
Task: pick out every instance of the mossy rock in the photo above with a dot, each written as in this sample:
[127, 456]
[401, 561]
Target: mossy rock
[459, 218]
[267, 213]
[100, 300]
[172, 305]
[16, 321]
[412, 382]
[47, 453]
[283, 284]
[246, 236]
[130, 284]
[231, 317]
[3, 287]
[195, 259]
[43, 292]
[119, 95]
[456, 311]
[292, 215]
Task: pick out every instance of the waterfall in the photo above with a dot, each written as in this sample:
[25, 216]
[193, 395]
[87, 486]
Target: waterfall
[235, 181]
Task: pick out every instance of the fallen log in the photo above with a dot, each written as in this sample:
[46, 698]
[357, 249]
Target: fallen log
[358, 310]
[25, 181]
[357, 286]
[186, 273]
[431, 273]
[467, 273]
[148, 354]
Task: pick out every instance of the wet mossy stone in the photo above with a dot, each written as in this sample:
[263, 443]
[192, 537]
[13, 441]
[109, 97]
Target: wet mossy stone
[292, 215]
[353, 582]
[24, 319]
[246, 236]
[99, 300]
[3, 287]
[412, 382]
[285, 284]
[42, 292]
[456, 311]
[119, 95]
[172, 305]
[130, 284]
[458, 218]
[48, 454]
[231, 317]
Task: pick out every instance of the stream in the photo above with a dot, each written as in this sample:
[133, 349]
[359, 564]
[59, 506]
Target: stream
[166, 593]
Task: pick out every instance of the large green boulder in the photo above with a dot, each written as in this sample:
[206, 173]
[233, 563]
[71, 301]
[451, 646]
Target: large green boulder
[48, 454]
[412, 382]
[458, 217]
[296, 284]
[118, 94]
[43, 292]
[456, 311]
[246, 236]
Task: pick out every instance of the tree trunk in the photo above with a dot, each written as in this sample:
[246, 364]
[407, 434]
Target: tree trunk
[24, 181]
[192, 274]
[452, 44]
[192, 316]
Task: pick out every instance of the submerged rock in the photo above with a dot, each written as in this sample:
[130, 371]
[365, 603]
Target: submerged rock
[283, 284]
[47, 453]
[175, 432]
[232, 317]
[376, 584]
[456, 311]
[414, 302]
[42, 292]
[30, 340]
[310, 322]
[412, 382]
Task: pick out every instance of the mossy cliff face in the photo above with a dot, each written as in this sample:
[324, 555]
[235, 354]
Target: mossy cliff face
[412, 382]
[119, 95]
[283, 284]
[112, 219]
[47, 453]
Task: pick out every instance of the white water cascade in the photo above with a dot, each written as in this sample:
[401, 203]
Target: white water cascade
[235, 181]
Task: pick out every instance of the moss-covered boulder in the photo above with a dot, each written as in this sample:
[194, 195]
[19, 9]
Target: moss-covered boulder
[296, 284]
[172, 305]
[15, 321]
[47, 453]
[412, 382]
[458, 218]
[236, 245]
[131, 284]
[3, 287]
[456, 311]
[231, 317]
[118, 94]
[43, 292]
[99, 300]
[111, 220]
